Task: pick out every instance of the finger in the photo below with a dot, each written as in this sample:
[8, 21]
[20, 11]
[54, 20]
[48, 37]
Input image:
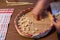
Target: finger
[58, 20]
[54, 22]
[35, 16]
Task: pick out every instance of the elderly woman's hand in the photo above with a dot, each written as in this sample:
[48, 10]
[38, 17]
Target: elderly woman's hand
[40, 7]
[57, 25]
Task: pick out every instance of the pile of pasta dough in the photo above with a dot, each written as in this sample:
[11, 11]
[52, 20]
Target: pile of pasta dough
[30, 26]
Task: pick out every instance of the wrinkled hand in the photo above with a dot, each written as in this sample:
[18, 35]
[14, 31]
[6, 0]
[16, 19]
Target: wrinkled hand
[40, 7]
[57, 24]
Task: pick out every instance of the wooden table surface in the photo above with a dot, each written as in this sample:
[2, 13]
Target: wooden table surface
[12, 33]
